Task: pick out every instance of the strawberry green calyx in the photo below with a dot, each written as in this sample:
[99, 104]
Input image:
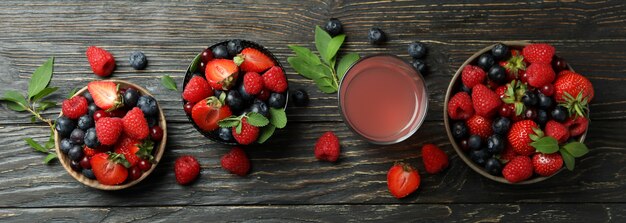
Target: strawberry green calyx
[576, 106]
[118, 158]
[513, 95]
[515, 64]
[239, 59]
[214, 102]
[145, 150]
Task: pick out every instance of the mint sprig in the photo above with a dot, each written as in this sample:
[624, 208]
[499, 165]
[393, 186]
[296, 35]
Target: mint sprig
[549, 145]
[278, 119]
[325, 72]
[169, 83]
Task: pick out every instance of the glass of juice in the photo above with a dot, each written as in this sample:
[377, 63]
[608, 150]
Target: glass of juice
[383, 99]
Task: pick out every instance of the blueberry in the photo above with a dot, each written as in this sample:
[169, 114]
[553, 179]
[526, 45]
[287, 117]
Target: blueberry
[479, 156]
[497, 74]
[420, 66]
[545, 102]
[529, 98]
[76, 153]
[459, 130]
[66, 145]
[148, 105]
[500, 51]
[333, 27]
[138, 60]
[276, 100]
[260, 107]
[234, 47]
[131, 96]
[152, 121]
[559, 113]
[300, 97]
[225, 134]
[91, 139]
[64, 126]
[474, 142]
[417, 50]
[501, 125]
[376, 36]
[85, 122]
[542, 117]
[75, 165]
[485, 61]
[466, 89]
[493, 166]
[92, 108]
[495, 144]
[234, 101]
[220, 52]
[77, 136]
[244, 95]
[89, 174]
[88, 96]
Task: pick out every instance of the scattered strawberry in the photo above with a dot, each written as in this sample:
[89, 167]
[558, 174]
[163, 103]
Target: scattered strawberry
[435, 160]
[252, 83]
[109, 168]
[460, 106]
[207, 112]
[108, 130]
[518, 169]
[519, 137]
[248, 134]
[540, 74]
[274, 80]
[135, 124]
[538, 53]
[577, 126]
[221, 73]
[472, 75]
[253, 60]
[105, 95]
[557, 130]
[486, 102]
[574, 91]
[480, 126]
[547, 164]
[236, 161]
[197, 89]
[327, 147]
[75, 107]
[186, 169]
[101, 61]
[402, 180]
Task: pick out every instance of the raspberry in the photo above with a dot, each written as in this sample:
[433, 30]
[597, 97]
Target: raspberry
[236, 162]
[75, 107]
[101, 61]
[135, 124]
[327, 147]
[486, 102]
[472, 75]
[460, 106]
[108, 130]
[253, 83]
[435, 160]
[186, 169]
[274, 79]
[248, 133]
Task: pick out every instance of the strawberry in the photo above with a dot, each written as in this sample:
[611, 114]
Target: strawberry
[236, 161]
[197, 89]
[480, 126]
[252, 83]
[538, 53]
[514, 66]
[574, 91]
[186, 169]
[108, 130]
[460, 106]
[435, 160]
[207, 112]
[577, 126]
[557, 130]
[486, 102]
[135, 124]
[539, 74]
[327, 147]
[274, 80]
[89, 152]
[101, 61]
[402, 180]
[507, 154]
[221, 73]
[248, 133]
[109, 168]
[518, 169]
[519, 137]
[472, 75]
[253, 60]
[547, 164]
[127, 146]
[75, 107]
[105, 95]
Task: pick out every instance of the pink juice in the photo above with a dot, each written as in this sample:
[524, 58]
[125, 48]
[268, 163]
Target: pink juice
[383, 99]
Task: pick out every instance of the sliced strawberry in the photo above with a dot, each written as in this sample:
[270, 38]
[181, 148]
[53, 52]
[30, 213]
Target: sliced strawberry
[221, 73]
[253, 60]
[402, 180]
[208, 112]
[105, 94]
[109, 168]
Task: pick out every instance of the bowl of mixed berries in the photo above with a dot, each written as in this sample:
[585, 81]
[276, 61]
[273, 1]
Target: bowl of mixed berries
[235, 92]
[518, 114]
[110, 134]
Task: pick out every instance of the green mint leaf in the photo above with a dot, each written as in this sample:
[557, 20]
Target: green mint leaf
[41, 78]
[322, 39]
[306, 55]
[308, 70]
[35, 145]
[228, 122]
[45, 105]
[45, 92]
[333, 47]
[576, 149]
[325, 85]
[15, 106]
[568, 159]
[345, 62]
[195, 63]
[278, 118]
[72, 93]
[266, 133]
[546, 145]
[256, 119]
[169, 83]
[49, 157]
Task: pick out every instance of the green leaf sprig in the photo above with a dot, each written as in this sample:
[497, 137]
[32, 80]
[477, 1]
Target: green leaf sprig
[549, 145]
[325, 71]
[278, 119]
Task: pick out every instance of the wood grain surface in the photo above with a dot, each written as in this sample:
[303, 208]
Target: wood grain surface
[286, 182]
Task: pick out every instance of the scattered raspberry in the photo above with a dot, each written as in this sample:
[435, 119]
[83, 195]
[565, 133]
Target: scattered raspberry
[75, 107]
[108, 130]
[236, 161]
[327, 147]
[252, 83]
[186, 169]
[135, 124]
[101, 61]
[435, 160]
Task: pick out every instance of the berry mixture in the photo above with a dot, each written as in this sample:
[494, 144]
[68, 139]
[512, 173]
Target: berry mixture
[106, 133]
[519, 112]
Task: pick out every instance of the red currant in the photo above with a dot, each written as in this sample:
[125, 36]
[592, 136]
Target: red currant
[524, 77]
[156, 133]
[464, 145]
[135, 173]
[118, 113]
[99, 114]
[84, 163]
[144, 165]
[559, 64]
[547, 90]
[188, 107]
[206, 55]
[505, 111]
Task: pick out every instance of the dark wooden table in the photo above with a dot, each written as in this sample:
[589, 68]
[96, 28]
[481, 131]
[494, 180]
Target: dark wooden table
[286, 182]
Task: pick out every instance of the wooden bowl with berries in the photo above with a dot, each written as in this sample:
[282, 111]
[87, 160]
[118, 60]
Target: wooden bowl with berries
[110, 135]
[516, 113]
